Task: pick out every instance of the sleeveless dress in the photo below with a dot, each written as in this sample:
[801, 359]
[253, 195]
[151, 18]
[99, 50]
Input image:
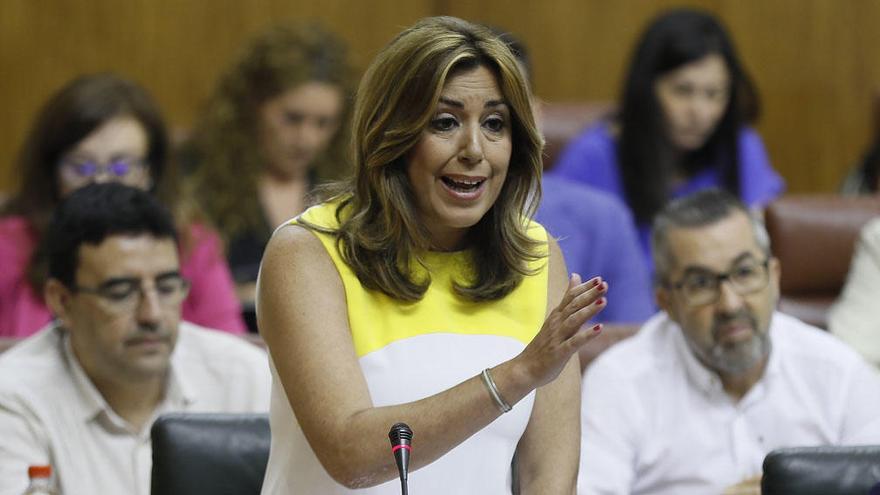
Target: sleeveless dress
[409, 351]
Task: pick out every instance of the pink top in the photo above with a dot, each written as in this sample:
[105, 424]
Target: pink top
[211, 302]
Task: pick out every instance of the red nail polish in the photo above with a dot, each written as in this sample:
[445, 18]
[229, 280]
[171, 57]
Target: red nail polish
[600, 302]
[597, 327]
[596, 282]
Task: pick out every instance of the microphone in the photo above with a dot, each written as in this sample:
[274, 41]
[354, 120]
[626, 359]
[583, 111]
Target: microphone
[401, 438]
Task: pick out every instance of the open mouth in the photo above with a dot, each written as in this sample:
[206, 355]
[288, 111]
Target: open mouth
[463, 185]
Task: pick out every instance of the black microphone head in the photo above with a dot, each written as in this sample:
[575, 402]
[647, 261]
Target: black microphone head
[398, 432]
[401, 441]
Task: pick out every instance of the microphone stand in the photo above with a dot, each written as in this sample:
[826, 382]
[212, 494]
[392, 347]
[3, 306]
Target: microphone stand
[401, 440]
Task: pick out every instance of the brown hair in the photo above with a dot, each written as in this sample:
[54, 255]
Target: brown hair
[225, 144]
[380, 232]
[72, 113]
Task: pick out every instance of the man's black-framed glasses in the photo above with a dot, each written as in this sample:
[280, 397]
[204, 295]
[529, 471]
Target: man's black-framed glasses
[700, 287]
[125, 294]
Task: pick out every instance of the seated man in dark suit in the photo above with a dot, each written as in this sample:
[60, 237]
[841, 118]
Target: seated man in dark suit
[696, 399]
[81, 394]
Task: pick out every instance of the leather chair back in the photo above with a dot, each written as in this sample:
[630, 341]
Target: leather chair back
[821, 471]
[814, 237]
[220, 454]
[562, 121]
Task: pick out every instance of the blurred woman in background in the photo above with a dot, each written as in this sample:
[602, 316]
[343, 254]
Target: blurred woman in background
[269, 133]
[101, 128]
[682, 124]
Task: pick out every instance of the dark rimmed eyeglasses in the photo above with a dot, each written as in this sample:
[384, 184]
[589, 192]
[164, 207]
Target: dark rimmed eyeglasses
[125, 294]
[700, 287]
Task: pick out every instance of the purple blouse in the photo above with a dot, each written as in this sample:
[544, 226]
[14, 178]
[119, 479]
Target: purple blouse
[591, 159]
[597, 236]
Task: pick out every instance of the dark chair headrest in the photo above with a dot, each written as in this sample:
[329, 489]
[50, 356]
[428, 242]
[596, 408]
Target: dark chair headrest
[821, 471]
[209, 453]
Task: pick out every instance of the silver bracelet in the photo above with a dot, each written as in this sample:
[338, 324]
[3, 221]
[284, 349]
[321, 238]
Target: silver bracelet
[493, 391]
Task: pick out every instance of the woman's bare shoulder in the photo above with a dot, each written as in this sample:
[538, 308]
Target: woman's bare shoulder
[295, 255]
[294, 241]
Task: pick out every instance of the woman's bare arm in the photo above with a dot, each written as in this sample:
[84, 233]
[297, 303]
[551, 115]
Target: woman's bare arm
[548, 453]
[303, 318]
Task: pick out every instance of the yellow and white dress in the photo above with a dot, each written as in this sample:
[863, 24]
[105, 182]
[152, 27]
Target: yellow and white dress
[409, 351]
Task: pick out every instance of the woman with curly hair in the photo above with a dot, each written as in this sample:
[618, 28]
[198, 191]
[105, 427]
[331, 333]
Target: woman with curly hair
[99, 128]
[268, 134]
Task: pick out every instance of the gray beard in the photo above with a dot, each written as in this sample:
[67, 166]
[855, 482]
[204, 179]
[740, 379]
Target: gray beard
[738, 358]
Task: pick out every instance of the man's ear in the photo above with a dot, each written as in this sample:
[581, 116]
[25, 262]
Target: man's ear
[58, 299]
[663, 297]
[775, 268]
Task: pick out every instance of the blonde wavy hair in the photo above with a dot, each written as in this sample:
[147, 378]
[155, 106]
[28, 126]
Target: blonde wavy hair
[380, 232]
[224, 145]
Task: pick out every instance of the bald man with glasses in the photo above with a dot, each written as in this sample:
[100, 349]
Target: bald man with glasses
[82, 394]
[719, 378]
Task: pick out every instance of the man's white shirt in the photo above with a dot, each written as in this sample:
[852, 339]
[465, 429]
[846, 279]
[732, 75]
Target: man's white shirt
[51, 413]
[656, 421]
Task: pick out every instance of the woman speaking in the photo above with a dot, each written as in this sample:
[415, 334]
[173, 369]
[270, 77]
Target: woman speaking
[421, 291]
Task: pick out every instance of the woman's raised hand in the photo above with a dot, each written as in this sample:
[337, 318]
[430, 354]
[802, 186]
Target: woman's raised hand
[563, 332]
